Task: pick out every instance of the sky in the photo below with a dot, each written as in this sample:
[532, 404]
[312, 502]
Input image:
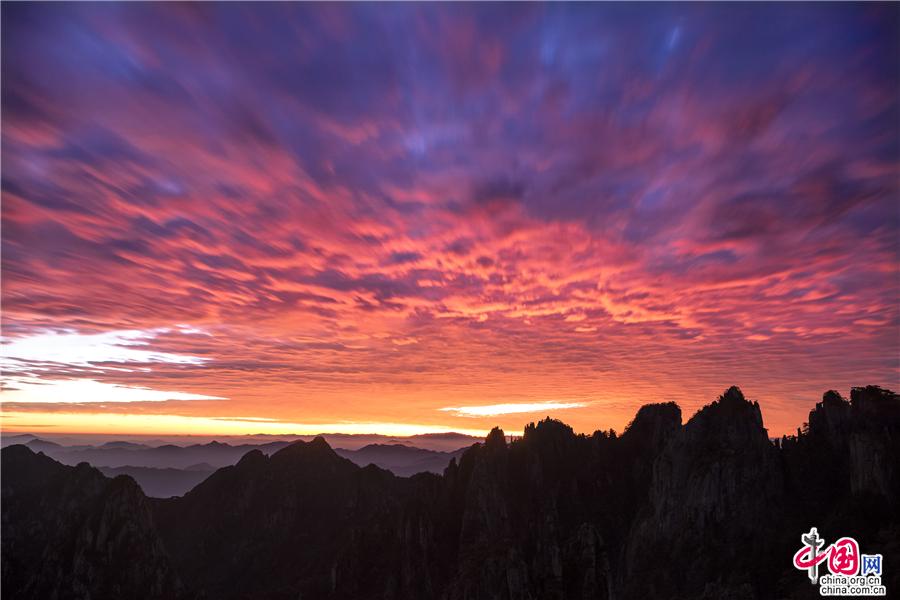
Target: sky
[406, 218]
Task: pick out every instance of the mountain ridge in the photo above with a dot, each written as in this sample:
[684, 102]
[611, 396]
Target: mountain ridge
[554, 514]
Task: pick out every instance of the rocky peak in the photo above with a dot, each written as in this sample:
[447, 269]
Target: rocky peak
[831, 416]
[875, 401]
[856, 442]
[252, 460]
[733, 404]
[732, 421]
[875, 443]
[315, 450]
[318, 442]
[718, 473]
[27, 468]
[653, 425]
[554, 441]
[495, 440]
[548, 429]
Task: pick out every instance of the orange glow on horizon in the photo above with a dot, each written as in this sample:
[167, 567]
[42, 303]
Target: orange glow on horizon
[160, 424]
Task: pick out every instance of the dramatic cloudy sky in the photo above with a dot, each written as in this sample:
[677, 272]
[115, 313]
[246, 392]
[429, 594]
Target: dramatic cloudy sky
[405, 218]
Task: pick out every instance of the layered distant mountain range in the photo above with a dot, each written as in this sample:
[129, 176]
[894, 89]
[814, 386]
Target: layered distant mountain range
[171, 470]
[711, 508]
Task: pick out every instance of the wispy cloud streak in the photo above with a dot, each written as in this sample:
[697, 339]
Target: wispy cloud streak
[491, 410]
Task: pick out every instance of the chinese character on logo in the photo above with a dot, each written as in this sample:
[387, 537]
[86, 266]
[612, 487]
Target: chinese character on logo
[844, 557]
[808, 556]
[871, 564]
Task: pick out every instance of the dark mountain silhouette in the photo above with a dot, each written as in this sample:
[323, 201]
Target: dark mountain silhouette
[162, 483]
[200, 467]
[69, 532]
[39, 445]
[167, 456]
[171, 470]
[18, 438]
[709, 509]
[440, 442]
[400, 459]
[122, 445]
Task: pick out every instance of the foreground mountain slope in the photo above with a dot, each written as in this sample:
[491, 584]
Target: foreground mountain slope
[303, 520]
[717, 480]
[69, 532]
[709, 509]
